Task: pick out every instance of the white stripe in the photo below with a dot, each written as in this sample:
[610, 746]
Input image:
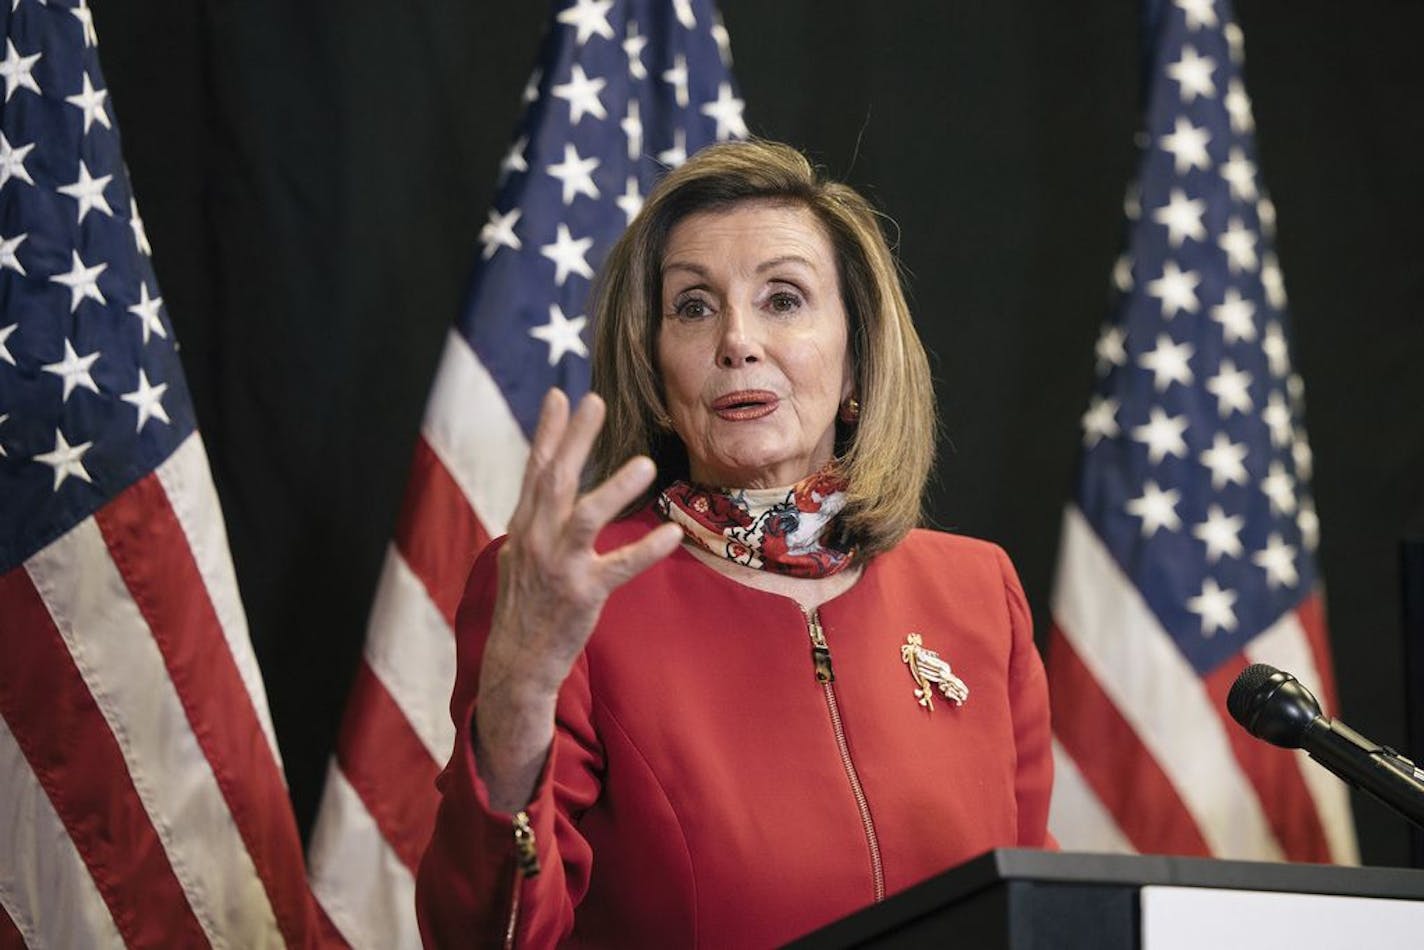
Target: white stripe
[469, 427]
[1075, 815]
[45, 886]
[115, 653]
[1156, 690]
[411, 649]
[1286, 646]
[361, 883]
[189, 486]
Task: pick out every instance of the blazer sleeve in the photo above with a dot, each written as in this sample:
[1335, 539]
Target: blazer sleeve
[470, 890]
[1028, 702]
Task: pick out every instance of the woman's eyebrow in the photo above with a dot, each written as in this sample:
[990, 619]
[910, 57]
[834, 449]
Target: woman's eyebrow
[691, 268]
[785, 259]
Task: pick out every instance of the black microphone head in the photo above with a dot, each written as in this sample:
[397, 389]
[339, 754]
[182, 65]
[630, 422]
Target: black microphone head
[1272, 705]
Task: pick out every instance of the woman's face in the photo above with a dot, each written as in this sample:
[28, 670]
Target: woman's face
[752, 347]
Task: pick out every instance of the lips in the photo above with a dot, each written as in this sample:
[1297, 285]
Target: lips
[745, 404]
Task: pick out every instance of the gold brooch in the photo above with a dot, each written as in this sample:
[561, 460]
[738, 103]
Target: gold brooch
[927, 667]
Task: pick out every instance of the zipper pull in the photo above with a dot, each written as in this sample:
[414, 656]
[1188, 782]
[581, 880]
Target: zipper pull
[820, 649]
[525, 851]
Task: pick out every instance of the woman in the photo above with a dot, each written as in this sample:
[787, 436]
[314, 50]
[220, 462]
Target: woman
[701, 703]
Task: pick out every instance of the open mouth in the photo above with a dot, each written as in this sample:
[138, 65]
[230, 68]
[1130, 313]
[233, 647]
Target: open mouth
[745, 404]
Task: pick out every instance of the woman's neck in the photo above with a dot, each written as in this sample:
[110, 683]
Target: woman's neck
[809, 592]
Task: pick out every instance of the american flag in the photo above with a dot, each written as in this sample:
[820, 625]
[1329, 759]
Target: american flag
[1188, 551]
[142, 800]
[622, 91]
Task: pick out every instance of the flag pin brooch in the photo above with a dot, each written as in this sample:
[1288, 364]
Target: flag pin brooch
[928, 667]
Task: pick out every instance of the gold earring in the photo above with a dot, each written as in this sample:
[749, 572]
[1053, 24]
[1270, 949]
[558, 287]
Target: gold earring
[850, 410]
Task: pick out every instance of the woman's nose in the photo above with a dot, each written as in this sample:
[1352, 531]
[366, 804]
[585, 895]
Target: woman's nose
[737, 344]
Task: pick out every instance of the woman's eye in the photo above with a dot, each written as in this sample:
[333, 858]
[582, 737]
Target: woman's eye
[784, 302]
[693, 308]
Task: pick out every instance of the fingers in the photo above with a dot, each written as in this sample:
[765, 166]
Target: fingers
[553, 420]
[623, 564]
[601, 505]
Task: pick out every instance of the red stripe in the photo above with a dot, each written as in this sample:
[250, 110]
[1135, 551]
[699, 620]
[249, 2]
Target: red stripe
[78, 763]
[438, 533]
[10, 938]
[1311, 613]
[1114, 762]
[390, 768]
[151, 552]
[1275, 773]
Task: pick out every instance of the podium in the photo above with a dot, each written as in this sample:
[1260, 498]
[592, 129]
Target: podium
[1036, 900]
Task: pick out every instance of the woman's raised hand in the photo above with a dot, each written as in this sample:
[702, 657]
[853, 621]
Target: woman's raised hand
[552, 585]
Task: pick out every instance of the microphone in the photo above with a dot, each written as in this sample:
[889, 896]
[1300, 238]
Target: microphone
[1274, 706]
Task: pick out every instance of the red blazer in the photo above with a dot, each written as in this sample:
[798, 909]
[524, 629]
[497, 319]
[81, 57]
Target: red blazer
[704, 788]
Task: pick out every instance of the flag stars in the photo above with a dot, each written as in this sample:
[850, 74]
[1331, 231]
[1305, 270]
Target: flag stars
[1279, 487]
[9, 248]
[147, 312]
[1199, 13]
[1168, 363]
[499, 232]
[89, 192]
[1221, 533]
[1240, 175]
[1273, 281]
[631, 201]
[1111, 349]
[1277, 559]
[633, 46]
[632, 127]
[1277, 416]
[723, 40]
[86, 22]
[1183, 218]
[1238, 106]
[90, 101]
[140, 235]
[1214, 606]
[1162, 435]
[1231, 387]
[1132, 201]
[1308, 524]
[1226, 461]
[12, 161]
[576, 174]
[581, 93]
[1193, 75]
[1176, 289]
[531, 88]
[568, 255]
[1187, 145]
[726, 110]
[588, 17]
[561, 334]
[5, 333]
[1236, 42]
[683, 9]
[675, 156]
[1236, 316]
[1277, 353]
[1122, 273]
[1266, 214]
[147, 400]
[73, 371]
[1156, 508]
[1302, 456]
[82, 281]
[66, 460]
[1239, 243]
[17, 70]
[677, 78]
[514, 160]
[4, 418]
[1100, 421]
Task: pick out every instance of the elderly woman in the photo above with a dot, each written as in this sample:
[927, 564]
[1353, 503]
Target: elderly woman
[731, 693]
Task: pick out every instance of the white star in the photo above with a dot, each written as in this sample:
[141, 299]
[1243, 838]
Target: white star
[562, 335]
[675, 156]
[91, 102]
[1277, 353]
[1226, 462]
[1273, 281]
[1213, 605]
[73, 370]
[4, 418]
[1109, 349]
[1309, 524]
[1301, 454]
[1100, 421]
[1132, 201]
[1266, 213]
[631, 202]
[632, 127]
[148, 400]
[1279, 487]
[1183, 218]
[1231, 388]
[1156, 508]
[1240, 174]
[722, 39]
[581, 93]
[633, 49]
[531, 88]
[140, 235]
[499, 232]
[1187, 143]
[1168, 363]
[82, 282]
[89, 192]
[8, 247]
[677, 77]
[588, 17]
[1193, 74]
[576, 174]
[1176, 289]
[12, 161]
[1238, 104]
[1239, 243]
[1162, 435]
[568, 255]
[1295, 388]
[86, 21]
[684, 13]
[66, 460]
[1236, 40]
[1199, 13]
[513, 160]
[1277, 416]
[147, 311]
[1278, 561]
[1235, 315]
[5, 350]
[727, 111]
[1122, 272]
[16, 70]
[1220, 534]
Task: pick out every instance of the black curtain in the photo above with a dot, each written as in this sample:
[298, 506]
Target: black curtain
[313, 177]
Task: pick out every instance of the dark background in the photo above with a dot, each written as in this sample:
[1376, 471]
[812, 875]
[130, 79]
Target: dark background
[313, 177]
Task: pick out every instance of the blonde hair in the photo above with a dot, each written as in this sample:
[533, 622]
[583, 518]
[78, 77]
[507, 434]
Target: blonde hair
[887, 454]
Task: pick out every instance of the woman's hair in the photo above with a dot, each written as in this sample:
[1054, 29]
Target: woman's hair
[886, 455]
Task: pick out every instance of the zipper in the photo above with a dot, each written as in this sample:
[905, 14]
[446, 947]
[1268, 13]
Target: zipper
[826, 676]
[527, 858]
